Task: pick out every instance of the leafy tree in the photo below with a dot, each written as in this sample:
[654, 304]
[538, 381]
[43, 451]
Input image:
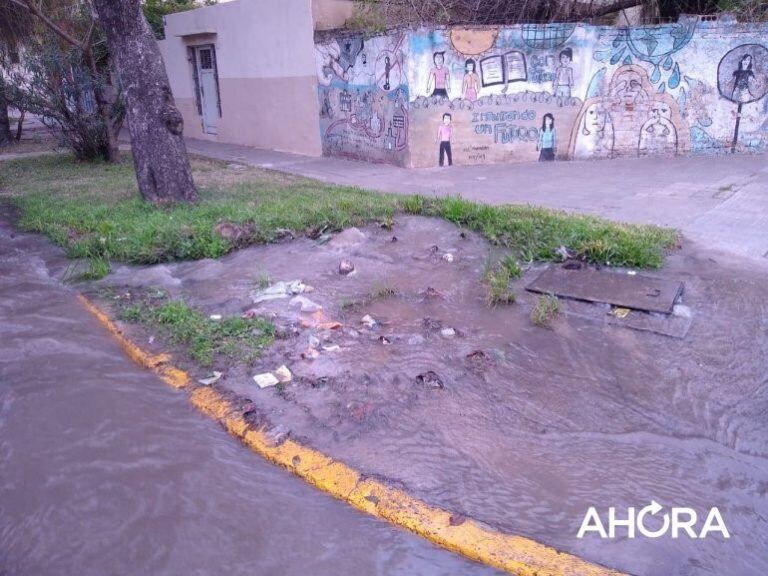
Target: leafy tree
[156, 10]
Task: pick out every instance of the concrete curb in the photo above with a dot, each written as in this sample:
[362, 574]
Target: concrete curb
[514, 554]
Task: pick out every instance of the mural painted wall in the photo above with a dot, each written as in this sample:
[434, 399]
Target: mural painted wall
[363, 92]
[547, 92]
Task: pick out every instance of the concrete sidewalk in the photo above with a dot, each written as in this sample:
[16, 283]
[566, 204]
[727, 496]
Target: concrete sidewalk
[720, 202]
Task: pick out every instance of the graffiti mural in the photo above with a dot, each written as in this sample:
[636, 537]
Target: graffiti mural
[363, 98]
[437, 97]
[628, 118]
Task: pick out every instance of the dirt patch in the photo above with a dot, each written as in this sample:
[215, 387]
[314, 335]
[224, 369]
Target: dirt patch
[401, 369]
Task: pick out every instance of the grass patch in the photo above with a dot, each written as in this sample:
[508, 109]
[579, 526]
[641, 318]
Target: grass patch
[497, 280]
[546, 309]
[95, 212]
[204, 339]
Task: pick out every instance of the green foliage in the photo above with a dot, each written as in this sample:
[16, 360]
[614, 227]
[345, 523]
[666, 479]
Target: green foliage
[205, 339]
[156, 10]
[95, 212]
[497, 280]
[546, 309]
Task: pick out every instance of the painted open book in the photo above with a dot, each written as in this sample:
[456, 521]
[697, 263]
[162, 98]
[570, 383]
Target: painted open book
[503, 68]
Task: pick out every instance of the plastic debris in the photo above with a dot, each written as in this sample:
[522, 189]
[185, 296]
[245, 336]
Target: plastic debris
[266, 380]
[305, 303]
[447, 332]
[448, 257]
[215, 317]
[212, 379]
[386, 340]
[346, 267]
[619, 312]
[369, 321]
[332, 348]
[283, 374]
[314, 341]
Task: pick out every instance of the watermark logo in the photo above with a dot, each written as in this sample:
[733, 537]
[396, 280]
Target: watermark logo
[650, 522]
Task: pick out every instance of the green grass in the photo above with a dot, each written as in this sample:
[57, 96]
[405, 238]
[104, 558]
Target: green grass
[95, 212]
[205, 339]
[497, 279]
[546, 309]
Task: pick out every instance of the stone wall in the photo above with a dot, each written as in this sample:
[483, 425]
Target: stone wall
[545, 92]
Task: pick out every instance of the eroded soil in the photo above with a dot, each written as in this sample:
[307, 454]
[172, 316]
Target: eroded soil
[530, 425]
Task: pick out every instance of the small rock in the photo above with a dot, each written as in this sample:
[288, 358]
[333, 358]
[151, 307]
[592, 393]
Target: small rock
[448, 257]
[447, 332]
[431, 379]
[369, 321]
[265, 380]
[305, 303]
[283, 374]
[386, 340]
[210, 379]
[432, 324]
[432, 294]
[394, 239]
[314, 341]
[332, 348]
[346, 267]
[310, 354]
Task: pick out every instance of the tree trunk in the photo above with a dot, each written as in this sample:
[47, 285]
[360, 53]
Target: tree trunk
[6, 137]
[155, 124]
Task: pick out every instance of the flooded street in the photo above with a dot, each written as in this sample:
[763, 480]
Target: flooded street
[539, 425]
[106, 471]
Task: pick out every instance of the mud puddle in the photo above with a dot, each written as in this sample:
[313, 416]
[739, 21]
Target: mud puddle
[106, 471]
[529, 426]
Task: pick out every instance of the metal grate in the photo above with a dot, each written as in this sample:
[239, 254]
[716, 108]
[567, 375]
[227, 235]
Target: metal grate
[206, 59]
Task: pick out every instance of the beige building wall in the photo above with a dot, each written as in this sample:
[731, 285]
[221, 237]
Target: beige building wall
[266, 71]
[331, 14]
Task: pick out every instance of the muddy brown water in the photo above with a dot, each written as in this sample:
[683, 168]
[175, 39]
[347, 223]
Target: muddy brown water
[549, 422]
[106, 471]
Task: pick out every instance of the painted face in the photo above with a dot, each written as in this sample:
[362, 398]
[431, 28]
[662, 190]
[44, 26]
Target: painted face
[746, 61]
[564, 60]
[547, 121]
[594, 118]
[439, 59]
[661, 110]
[446, 120]
[470, 67]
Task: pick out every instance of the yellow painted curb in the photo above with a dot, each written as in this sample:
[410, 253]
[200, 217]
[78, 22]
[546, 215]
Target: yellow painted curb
[515, 554]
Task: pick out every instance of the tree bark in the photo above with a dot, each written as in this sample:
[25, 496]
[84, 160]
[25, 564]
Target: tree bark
[6, 137]
[155, 124]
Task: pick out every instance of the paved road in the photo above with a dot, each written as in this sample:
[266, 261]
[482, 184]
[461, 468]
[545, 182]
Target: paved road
[106, 471]
[720, 202]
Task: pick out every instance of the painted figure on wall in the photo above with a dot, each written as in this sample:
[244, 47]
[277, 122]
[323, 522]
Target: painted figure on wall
[628, 91]
[471, 85]
[444, 133]
[547, 139]
[439, 81]
[658, 134]
[743, 78]
[594, 133]
[563, 82]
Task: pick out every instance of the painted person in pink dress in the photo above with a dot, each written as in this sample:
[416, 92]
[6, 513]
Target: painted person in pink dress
[444, 133]
[471, 85]
[439, 81]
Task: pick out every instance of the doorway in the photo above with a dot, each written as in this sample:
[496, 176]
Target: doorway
[207, 87]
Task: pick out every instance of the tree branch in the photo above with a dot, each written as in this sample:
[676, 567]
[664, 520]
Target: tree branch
[49, 23]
